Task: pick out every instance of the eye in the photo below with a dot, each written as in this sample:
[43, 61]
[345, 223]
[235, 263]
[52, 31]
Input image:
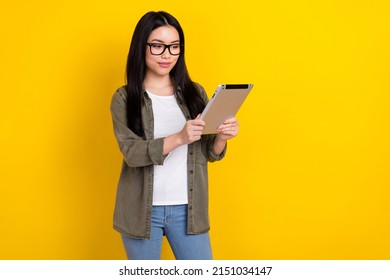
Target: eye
[175, 46]
[157, 46]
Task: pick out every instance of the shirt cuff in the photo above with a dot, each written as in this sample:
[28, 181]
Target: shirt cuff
[214, 157]
[155, 150]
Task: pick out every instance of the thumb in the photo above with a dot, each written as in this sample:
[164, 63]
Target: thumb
[198, 117]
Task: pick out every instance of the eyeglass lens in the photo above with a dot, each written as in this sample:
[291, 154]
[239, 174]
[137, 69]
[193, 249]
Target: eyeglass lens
[157, 49]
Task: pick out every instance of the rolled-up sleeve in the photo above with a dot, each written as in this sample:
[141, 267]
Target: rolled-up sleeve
[136, 151]
[212, 156]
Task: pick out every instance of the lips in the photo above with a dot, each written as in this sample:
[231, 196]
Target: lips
[164, 64]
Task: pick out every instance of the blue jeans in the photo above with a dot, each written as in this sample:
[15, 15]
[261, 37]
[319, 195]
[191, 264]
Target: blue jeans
[172, 222]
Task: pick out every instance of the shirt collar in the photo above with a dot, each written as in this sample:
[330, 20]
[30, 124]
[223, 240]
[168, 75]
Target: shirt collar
[178, 92]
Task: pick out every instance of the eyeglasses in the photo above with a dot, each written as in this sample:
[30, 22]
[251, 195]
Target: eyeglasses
[158, 48]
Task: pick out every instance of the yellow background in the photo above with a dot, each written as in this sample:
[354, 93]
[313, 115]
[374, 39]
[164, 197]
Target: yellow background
[307, 177]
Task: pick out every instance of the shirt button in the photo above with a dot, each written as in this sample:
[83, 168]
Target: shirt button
[192, 171]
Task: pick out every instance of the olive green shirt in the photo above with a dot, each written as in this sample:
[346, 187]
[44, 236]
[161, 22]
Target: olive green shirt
[133, 208]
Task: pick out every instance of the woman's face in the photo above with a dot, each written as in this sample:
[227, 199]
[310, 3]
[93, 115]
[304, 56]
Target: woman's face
[162, 64]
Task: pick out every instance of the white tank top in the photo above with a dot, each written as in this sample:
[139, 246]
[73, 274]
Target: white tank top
[170, 179]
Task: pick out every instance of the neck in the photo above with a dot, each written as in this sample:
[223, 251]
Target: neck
[160, 85]
[157, 81]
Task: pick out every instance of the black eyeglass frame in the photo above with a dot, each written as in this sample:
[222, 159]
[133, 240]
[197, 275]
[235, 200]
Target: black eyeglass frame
[165, 47]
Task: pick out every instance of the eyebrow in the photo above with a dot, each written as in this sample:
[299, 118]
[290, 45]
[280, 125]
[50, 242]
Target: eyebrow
[160, 41]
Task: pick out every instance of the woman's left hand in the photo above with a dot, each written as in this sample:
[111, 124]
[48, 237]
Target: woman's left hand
[228, 129]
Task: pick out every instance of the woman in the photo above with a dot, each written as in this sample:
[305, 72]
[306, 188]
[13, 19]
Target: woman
[163, 186]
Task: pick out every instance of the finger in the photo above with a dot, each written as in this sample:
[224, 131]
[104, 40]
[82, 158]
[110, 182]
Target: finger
[231, 120]
[197, 133]
[228, 126]
[228, 130]
[198, 122]
[197, 128]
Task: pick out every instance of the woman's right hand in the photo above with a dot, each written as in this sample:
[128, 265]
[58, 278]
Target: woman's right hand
[192, 131]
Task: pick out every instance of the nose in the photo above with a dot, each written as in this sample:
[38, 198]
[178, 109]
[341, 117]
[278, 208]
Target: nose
[166, 53]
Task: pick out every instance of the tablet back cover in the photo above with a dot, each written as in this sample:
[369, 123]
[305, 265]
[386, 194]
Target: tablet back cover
[224, 104]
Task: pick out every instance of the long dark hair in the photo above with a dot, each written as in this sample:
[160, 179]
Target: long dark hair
[136, 70]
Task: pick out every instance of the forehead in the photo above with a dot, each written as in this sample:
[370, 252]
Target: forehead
[165, 34]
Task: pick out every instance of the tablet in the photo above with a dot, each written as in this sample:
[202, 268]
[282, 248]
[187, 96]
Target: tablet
[223, 105]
